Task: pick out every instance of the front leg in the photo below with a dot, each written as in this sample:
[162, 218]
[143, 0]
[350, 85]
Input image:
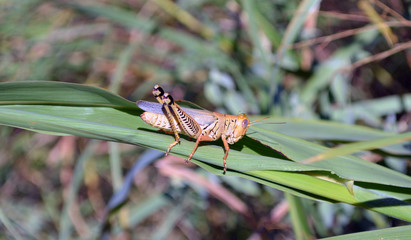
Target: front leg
[199, 139]
[208, 138]
[227, 148]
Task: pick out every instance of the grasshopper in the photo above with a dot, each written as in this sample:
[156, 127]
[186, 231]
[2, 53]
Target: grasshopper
[202, 125]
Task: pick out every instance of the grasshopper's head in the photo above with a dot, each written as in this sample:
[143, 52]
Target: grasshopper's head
[241, 127]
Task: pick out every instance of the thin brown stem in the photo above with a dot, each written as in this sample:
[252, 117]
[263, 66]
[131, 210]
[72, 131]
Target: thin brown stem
[345, 16]
[327, 39]
[377, 57]
[390, 11]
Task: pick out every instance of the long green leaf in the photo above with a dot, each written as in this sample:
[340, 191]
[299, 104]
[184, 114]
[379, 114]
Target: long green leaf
[347, 167]
[360, 146]
[333, 131]
[94, 113]
[395, 233]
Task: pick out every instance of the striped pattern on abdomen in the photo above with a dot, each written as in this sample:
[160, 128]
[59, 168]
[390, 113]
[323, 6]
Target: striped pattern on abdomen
[212, 130]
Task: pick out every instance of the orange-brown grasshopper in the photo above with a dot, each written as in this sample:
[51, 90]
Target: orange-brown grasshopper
[198, 124]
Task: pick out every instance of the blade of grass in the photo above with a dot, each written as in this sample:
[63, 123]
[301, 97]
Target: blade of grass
[144, 209]
[299, 219]
[250, 8]
[185, 18]
[393, 233]
[70, 198]
[291, 33]
[347, 167]
[333, 131]
[52, 93]
[358, 146]
[375, 107]
[169, 222]
[326, 71]
[9, 226]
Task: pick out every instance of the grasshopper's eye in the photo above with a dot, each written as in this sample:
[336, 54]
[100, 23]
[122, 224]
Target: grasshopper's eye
[244, 123]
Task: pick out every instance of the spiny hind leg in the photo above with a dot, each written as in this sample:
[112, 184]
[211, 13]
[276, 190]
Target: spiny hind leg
[162, 98]
[173, 127]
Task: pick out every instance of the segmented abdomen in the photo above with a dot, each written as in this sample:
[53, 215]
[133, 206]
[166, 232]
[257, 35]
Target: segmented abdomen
[159, 121]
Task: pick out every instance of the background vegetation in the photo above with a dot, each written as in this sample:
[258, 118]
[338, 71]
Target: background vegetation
[317, 65]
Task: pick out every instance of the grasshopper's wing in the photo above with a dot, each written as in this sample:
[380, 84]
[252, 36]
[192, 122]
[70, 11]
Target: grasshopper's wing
[150, 106]
[202, 117]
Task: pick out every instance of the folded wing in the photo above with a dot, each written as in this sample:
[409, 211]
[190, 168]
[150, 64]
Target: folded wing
[202, 117]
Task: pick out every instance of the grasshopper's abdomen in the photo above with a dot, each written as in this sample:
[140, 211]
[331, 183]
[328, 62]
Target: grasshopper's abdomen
[159, 121]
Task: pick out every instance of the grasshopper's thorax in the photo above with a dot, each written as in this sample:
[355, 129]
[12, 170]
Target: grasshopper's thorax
[235, 127]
